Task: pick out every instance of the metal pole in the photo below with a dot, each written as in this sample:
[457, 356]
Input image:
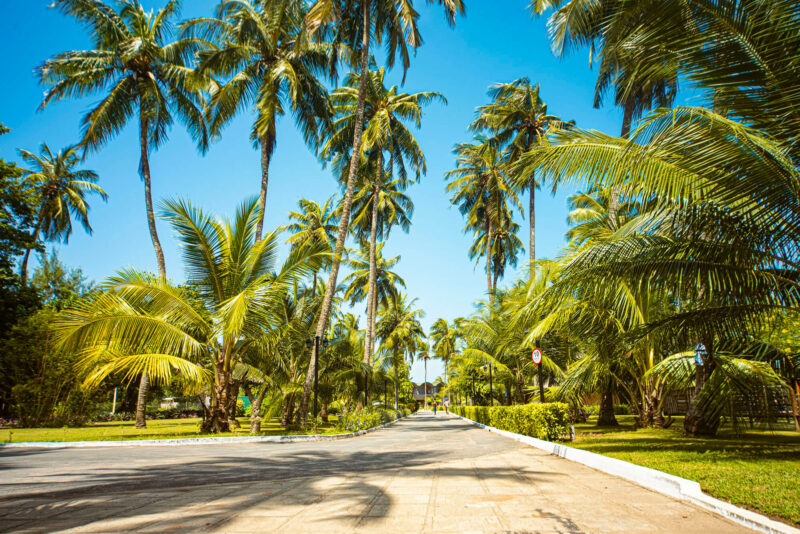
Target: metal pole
[366, 384]
[425, 382]
[541, 384]
[114, 403]
[316, 373]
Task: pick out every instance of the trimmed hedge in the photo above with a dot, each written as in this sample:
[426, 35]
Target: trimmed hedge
[548, 421]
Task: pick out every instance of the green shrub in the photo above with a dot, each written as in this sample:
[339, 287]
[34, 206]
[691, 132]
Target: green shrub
[239, 408]
[619, 409]
[355, 420]
[547, 421]
[412, 407]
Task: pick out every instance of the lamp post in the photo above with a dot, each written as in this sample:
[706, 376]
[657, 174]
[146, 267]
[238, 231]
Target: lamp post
[491, 396]
[386, 393]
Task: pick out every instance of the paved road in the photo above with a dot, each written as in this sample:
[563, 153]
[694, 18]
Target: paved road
[424, 474]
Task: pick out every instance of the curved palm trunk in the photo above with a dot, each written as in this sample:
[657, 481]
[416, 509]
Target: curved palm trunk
[373, 267]
[347, 204]
[23, 270]
[605, 416]
[144, 164]
[532, 223]
[266, 157]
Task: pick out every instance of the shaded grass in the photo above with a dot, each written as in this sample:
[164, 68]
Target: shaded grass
[759, 470]
[156, 429]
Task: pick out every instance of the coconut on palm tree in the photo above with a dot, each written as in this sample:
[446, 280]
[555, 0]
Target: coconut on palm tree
[267, 65]
[61, 192]
[358, 25]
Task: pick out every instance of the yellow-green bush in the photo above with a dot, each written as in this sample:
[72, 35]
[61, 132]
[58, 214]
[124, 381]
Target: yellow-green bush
[548, 421]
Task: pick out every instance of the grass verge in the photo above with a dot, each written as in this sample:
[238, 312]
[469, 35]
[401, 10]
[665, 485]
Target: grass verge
[759, 471]
[156, 429]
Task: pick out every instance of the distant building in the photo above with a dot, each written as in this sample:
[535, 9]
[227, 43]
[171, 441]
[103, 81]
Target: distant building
[418, 393]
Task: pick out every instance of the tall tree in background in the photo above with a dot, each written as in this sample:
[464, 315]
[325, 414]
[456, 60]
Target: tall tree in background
[313, 226]
[444, 339]
[357, 24]
[401, 333]
[61, 192]
[387, 282]
[518, 118]
[268, 65]
[385, 134]
[481, 191]
[143, 73]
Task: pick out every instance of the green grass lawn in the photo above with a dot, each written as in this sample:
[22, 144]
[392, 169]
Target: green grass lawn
[156, 429]
[759, 471]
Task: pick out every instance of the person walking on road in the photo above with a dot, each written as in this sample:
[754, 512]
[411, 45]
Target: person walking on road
[434, 407]
[446, 405]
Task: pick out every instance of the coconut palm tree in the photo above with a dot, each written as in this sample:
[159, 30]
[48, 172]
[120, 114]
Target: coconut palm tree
[61, 192]
[387, 282]
[401, 334]
[385, 135]
[358, 24]
[314, 226]
[143, 74]
[444, 338]
[518, 118]
[481, 191]
[144, 325]
[267, 65]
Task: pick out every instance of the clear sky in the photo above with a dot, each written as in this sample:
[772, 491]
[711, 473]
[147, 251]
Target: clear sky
[497, 41]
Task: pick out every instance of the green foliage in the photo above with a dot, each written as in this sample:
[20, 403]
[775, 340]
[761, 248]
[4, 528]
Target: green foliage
[412, 407]
[619, 409]
[547, 421]
[355, 420]
[240, 411]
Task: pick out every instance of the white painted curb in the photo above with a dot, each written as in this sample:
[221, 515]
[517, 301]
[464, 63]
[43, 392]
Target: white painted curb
[676, 487]
[192, 441]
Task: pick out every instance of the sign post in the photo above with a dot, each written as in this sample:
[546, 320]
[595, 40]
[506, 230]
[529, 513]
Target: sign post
[536, 358]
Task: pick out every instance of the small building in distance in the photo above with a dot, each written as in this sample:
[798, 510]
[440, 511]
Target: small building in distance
[418, 393]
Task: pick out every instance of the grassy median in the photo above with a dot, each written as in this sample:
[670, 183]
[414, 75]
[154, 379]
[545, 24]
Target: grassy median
[156, 429]
[759, 470]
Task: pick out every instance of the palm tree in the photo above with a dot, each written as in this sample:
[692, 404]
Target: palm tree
[143, 73]
[401, 334]
[312, 226]
[268, 64]
[504, 247]
[61, 192]
[387, 282]
[385, 109]
[358, 25]
[142, 325]
[481, 189]
[444, 338]
[425, 356]
[518, 118]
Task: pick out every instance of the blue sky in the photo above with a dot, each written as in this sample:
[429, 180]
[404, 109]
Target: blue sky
[498, 41]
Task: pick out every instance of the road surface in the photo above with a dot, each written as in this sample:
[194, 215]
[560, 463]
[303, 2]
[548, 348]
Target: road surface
[424, 474]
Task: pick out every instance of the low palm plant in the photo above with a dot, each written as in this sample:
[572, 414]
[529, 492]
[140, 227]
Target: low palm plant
[140, 324]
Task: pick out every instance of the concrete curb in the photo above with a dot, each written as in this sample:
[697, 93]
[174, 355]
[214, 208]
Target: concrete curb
[191, 441]
[675, 487]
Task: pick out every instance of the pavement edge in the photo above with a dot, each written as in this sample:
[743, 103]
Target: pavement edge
[675, 487]
[193, 441]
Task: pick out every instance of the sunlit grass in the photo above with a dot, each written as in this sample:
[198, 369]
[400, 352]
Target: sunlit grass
[759, 470]
[156, 429]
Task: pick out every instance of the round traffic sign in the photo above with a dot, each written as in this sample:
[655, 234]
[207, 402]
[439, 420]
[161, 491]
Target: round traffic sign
[536, 356]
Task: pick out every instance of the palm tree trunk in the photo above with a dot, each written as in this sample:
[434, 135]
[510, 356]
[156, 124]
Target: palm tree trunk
[627, 120]
[144, 165]
[347, 204]
[697, 422]
[532, 223]
[23, 271]
[374, 317]
[373, 266]
[605, 416]
[489, 258]
[141, 401]
[266, 156]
